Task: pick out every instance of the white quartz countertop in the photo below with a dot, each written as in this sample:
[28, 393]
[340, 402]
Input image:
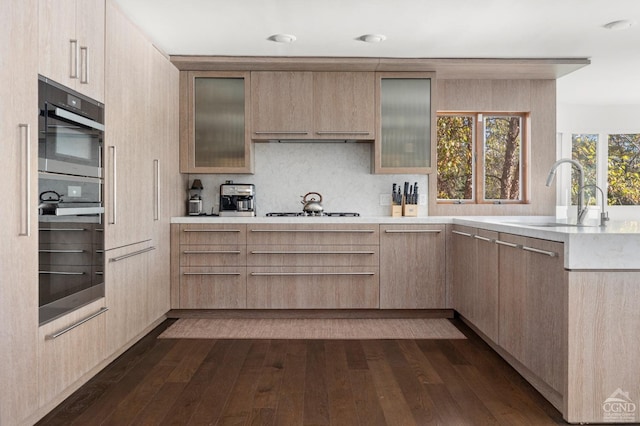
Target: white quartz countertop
[615, 246]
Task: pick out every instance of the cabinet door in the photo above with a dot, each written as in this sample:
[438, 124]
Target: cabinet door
[405, 138]
[344, 105]
[214, 129]
[532, 300]
[58, 49]
[485, 295]
[129, 172]
[464, 264]
[71, 44]
[18, 215]
[90, 33]
[126, 293]
[412, 266]
[281, 105]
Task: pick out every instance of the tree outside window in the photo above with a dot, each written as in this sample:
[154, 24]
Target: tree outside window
[584, 150]
[623, 175]
[489, 171]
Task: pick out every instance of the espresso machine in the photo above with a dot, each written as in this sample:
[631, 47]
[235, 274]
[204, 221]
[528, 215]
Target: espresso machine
[237, 199]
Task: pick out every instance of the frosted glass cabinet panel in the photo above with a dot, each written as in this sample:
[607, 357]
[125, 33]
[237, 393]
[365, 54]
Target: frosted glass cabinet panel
[214, 137]
[404, 143]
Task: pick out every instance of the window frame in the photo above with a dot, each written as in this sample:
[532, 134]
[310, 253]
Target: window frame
[478, 157]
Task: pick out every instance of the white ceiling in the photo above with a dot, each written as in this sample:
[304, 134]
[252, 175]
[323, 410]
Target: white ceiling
[414, 29]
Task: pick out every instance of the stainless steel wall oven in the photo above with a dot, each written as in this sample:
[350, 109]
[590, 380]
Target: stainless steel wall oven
[70, 204]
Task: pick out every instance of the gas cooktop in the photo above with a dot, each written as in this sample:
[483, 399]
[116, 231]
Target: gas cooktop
[321, 214]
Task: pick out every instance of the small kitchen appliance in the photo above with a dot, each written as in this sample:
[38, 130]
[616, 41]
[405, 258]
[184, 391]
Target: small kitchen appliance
[195, 198]
[237, 199]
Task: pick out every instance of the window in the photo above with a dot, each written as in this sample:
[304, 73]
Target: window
[584, 150]
[480, 157]
[623, 171]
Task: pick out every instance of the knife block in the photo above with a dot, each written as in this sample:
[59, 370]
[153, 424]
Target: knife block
[410, 210]
[396, 210]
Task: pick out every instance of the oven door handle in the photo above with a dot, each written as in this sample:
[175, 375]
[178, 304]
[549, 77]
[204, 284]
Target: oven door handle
[68, 115]
[75, 211]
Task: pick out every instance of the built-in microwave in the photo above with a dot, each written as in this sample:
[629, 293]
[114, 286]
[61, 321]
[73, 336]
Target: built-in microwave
[71, 130]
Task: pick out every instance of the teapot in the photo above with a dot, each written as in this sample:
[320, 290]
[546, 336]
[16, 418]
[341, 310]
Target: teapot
[312, 205]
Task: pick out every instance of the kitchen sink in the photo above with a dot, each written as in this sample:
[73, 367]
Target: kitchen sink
[551, 224]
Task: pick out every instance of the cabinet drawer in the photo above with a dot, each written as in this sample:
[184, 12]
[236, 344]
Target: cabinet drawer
[69, 347]
[66, 233]
[309, 234]
[66, 254]
[213, 288]
[213, 255]
[312, 288]
[305, 255]
[213, 234]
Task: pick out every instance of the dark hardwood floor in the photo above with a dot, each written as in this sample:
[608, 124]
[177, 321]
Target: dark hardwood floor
[307, 382]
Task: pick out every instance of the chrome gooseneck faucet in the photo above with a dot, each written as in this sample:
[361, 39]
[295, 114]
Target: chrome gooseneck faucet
[604, 216]
[582, 209]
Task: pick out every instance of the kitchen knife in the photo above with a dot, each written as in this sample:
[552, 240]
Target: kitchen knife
[415, 193]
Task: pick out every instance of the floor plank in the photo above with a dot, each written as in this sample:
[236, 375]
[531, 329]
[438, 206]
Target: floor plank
[307, 382]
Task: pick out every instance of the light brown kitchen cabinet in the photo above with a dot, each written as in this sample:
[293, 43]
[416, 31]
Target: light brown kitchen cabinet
[214, 122]
[405, 134]
[281, 105]
[212, 266]
[69, 348]
[72, 44]
[475, 282]
[532, 303]
[142, 187]
[127, 291]
[314, 105]
[412, 267]
[18, 215]
[323, 266]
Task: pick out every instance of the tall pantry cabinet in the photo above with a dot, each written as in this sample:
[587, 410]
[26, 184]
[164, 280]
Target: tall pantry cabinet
[142, 187]
[18, 215]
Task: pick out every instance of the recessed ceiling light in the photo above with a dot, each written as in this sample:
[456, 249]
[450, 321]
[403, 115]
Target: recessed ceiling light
[620, 25]
[283, 38]
[372, 38]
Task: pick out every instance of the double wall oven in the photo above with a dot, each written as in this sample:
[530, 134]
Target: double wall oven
[70, 204]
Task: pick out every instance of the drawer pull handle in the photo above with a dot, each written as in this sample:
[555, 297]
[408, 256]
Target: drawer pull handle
[310, 252]
[282, 132]
[60, 273]
[61, 251]
[504, 243]
[535, 250]
[211, 273]
[287, 274]
[360, 231]
[211, 230]
[211, 252]
[135, 253]
[481, 238]
[63, 229]
[76, 324]
[464, 234]
[413, 231]
[342, 132]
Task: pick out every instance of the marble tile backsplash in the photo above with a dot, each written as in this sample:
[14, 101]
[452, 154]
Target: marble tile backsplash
[341, 172]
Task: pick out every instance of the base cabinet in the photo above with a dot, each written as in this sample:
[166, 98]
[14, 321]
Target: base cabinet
[212, 266]
[532, 305]
[69, 348]
[475, 277]
[412, 267]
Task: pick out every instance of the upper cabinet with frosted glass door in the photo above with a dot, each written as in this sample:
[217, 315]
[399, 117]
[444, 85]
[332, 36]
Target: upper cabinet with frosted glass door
[214, 122]
[71, 44]
[405, 141]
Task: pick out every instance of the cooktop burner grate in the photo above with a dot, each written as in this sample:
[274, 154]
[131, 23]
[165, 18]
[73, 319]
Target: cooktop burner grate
[322, 214]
